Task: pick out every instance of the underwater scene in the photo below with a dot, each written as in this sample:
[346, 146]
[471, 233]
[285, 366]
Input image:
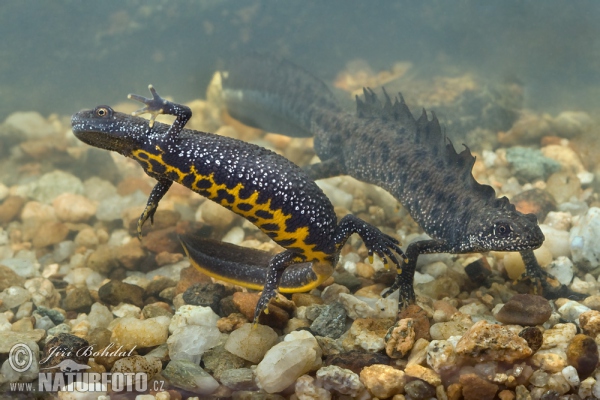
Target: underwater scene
[266, 199]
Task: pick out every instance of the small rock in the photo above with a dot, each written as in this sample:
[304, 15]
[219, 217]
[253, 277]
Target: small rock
[457, 326]
[534, 338]
[306, 299]
[157, 285]
[492, 342]
[340, 380]
[162, 240]
[529, 164]
[590, 322]
[9, 338]
[419, 390]
[190, 276]
[43, 293]
[307, 388]
[383, 381]
[218, 360]
[190, 342]
[534, 201]
[126, 310]
[99, 316]
[476, 388]
[10, 209]
[582, 353]
[355, 360]
[562, 269]
[525, 309]
[298, 354]
[251, 344]
[115, 292]
[441, 355]
[102, 260]
[13, 297]
[585, 240]
[367, 334]
[331, 321]
[71, 207]
[238, 379]
[78, 299]
[571, 375]
[55, 183]
[231, 322]
[246, 304]
[193, 315]
[186, 375]
[9, 278]
[400, 338]
[133, 333]
[420, 319]
[206, 295]
[56, 316]
[131, 254]
[49, 233]
[571, 310]
[63, 352]
[136, 364]
[424, 374]
[157, 309]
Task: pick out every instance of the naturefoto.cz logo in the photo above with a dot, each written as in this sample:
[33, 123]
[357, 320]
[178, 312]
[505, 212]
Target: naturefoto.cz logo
[69, 375]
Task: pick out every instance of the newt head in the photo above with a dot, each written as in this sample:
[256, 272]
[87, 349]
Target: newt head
[110, 130]
[504, 229]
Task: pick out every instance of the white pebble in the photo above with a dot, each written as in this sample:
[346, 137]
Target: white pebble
[285, 362]
[234, 236]
[570, 374]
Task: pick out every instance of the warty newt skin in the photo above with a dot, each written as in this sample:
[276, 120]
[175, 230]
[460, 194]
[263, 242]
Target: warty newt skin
[265, 188]
[385, 145]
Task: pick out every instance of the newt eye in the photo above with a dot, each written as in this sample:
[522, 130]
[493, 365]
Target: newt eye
[502, 229]
[102, 111]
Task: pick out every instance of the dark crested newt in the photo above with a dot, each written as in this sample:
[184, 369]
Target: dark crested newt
[265, 188]
[385, 145]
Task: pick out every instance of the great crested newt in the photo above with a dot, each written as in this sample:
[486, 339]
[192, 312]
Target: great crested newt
[383, 144]
[265, 188]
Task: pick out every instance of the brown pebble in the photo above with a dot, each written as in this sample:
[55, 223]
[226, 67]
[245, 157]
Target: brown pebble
[78, 299]
[158, 284]
[306, 299]
[71, 353]
[400, 338]
[478, 271]
[131, 254]
[49, 233]
[533, 336]
[534, 201]
[454, 391]
[102, 259]
[157, 309]
[421, 323]
[231, 322]
[165, 258]
[246, 303]
[356, 360]
[9, 278]
[476, 388]
[506, 395]
[582, 353]
[115, 292]
[526, 310]
[161, 240]
[188, 277]
[590, 322]
[129, 185]
[10, 209]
